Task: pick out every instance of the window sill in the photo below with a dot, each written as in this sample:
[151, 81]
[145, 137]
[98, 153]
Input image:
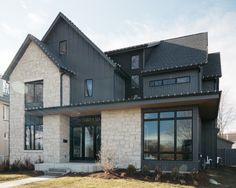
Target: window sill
[35, 151]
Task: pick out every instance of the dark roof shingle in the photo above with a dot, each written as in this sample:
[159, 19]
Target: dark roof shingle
[213, 67]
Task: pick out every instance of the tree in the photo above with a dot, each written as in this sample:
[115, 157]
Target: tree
[226, 114]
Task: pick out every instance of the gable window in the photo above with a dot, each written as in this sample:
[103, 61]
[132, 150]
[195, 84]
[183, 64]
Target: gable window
[135, 62]
[63, 47]
[181, 80]
[135, 81]
[33, 132]
[167, 135]
[88, 89]
[34, 94]
[170, 81]
[5, 112]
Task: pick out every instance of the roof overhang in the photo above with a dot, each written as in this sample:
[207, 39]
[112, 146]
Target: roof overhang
[208, 103]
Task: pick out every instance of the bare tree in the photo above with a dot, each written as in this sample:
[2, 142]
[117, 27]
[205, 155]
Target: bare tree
[226, 114]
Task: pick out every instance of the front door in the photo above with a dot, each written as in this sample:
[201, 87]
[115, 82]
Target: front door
[85, 141]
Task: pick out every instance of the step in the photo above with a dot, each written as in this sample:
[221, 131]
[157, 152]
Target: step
[57, 171]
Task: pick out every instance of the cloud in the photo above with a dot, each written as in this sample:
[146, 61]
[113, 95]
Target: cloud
[6, 58]
[36, 20]
[11, 31]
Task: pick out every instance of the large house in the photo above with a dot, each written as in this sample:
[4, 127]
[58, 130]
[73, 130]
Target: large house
[153, 104]
[4, 120]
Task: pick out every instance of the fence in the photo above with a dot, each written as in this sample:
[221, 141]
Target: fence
[228, 156]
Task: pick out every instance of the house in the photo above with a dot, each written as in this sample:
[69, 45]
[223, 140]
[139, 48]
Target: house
[153, 104]
[231, 137]
[4, 121]
[223, 143]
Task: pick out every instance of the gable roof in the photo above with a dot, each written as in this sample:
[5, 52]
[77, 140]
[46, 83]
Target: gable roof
[213, 68]
[77, 30]
[186, 51]
[52, 56]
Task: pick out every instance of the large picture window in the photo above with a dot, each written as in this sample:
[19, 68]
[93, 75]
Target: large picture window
[33, 132]
[34, 94]
[167, 135]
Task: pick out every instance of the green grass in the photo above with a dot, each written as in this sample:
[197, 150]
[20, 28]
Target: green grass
[90, 182]
[8, 176]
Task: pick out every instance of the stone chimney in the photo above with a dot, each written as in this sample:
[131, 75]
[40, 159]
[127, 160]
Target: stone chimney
[1, 86]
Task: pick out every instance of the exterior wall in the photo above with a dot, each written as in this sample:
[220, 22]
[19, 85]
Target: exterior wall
[209, 85]
[85, 61]
[56, 129]
[34, 65]
[121, 133]
[182, 165]
[222, 144]
[193, 86]
[4, 129]
[119, 89]
[65, 90]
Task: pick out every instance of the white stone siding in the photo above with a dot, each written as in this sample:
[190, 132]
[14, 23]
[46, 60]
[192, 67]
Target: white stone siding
[121, 135]
[34, 65]
[56, 128]
[65, 90]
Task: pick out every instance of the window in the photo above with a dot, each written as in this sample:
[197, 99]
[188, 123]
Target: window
[135, 62]
[179, 80]
[34, 94]
[5, 113]
[33, 132]
[167, 135]
[63, 47]
[88, 89]
[135, 81]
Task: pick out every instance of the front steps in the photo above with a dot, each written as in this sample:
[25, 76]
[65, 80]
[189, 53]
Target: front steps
[57, 171]
[68, 167]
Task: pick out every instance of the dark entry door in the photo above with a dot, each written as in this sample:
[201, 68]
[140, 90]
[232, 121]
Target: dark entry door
[86, 141]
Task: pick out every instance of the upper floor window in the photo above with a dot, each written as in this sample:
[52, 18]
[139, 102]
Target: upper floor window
[135, 81]
[170, 81]
[5, 112]
[34, 94]
[63, 47]
[185, 79]
[88, 89]
[135, 62]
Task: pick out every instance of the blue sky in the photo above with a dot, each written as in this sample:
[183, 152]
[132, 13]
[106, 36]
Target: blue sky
[114, 24]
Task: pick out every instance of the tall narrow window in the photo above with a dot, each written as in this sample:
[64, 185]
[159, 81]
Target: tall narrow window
[5, 112]
[34, 94]
[88, 89]
[135, 81]
[135, 62]
[63, 47]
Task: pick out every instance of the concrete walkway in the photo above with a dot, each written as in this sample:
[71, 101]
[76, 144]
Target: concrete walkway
[15, 183]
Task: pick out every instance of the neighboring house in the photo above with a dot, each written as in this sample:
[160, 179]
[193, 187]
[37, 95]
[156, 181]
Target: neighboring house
[223, 143]
[231, 137]
[153, 104]
[4, 121]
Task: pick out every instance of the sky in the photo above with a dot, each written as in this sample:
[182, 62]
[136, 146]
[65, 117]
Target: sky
[114, 24]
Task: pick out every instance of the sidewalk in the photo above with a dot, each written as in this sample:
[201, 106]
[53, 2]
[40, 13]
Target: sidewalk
[15, 183]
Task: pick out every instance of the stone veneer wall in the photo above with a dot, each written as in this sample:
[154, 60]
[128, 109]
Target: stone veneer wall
[121, 135]
[33, 65]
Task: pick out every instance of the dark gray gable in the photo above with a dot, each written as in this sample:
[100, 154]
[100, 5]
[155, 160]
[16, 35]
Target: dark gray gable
[213, 68]
[54, 58]
[62, 16]
[179, 52]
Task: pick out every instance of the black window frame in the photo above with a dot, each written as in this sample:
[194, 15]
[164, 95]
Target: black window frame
[34, 103]
[152, 83]
[158, 119]
[86, 86]
[60, 47]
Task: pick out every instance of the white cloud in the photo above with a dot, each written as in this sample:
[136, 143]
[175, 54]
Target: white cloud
[11, 31]
[35, 20]
[6, 58]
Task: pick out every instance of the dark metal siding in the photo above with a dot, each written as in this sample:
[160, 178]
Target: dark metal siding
[193, 86]
[86, 62]
[119, 87]
[209, 85]
[222, 144]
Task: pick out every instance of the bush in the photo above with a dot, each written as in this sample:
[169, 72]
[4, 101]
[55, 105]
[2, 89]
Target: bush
[27, 165]
[16, 165]
[131, 169]
[158, 173]
[146, 170]
[5, 166]
[107, 160]
[175, 173]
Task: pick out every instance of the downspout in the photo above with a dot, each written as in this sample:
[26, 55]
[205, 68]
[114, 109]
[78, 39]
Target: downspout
[61, 90]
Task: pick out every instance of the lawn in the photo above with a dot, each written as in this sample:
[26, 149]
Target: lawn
[8, 176]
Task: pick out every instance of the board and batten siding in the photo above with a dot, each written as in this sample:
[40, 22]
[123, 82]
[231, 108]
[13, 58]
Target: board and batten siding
[191, 87]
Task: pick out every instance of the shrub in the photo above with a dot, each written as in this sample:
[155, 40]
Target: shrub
[16, 165]
[5, 166]
[158, 173]
[107, 160]
[146, 169]
[27, 165]
[131, 169]
[19, 165]
[175, 173]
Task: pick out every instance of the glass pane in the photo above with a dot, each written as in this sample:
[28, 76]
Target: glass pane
[184, 135]
[135, 62]
[167, 114]
[38, 93]
[186, 113]
[77, 142]
[63, 47]
[135, 81]
[29, 93]
[169, 81]
[98, 139]
[167, 136]
[150, 115]
[88, 88]
[27, 137]
[167, 157]
[158, 82]
[152, 83]
[150, 136]
[150, 156]
[184, 157]
[39, 137]
[32, 136]
[185, 79]
[89, 142]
